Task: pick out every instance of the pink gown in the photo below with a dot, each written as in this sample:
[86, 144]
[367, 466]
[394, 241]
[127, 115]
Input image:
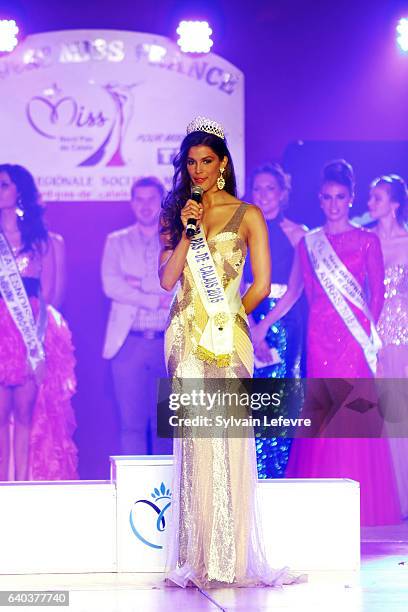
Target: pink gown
[53, 454]
[332, 352]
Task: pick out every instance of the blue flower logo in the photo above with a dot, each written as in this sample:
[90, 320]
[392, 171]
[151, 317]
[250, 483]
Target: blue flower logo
[160, 505]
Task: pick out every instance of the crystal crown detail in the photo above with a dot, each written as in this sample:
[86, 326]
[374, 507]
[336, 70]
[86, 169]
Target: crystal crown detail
[204, 124]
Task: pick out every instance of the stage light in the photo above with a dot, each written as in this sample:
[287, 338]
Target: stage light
[8, 35]
[194, 36]
[402, 30]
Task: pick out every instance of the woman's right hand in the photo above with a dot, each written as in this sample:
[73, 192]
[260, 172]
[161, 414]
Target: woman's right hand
[263, 351]
[258, 332]
[191, 210]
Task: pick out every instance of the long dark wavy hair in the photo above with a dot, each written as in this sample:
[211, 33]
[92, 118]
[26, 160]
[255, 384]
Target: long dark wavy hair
[398, 192]
[30, 220]
[170, 222]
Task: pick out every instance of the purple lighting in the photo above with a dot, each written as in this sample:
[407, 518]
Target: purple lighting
[8, 35]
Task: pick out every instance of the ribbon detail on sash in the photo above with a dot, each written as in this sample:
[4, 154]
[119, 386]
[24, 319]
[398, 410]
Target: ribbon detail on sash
[18, 304]
[216, 342]
[340, 285]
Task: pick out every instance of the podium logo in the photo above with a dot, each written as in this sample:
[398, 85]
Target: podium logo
[147, 518]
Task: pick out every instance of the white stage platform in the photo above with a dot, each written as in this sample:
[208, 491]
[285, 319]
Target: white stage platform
[122, 525]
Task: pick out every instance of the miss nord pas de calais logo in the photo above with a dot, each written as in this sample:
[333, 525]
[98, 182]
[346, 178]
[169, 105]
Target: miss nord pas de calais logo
[83, 123]
[147, 518]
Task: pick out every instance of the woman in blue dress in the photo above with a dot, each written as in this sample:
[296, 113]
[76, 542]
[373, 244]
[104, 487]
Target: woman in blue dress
[278, 349]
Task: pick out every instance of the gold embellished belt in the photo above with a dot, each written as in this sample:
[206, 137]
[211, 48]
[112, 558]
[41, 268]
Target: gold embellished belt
[221, 361]
[277, 290]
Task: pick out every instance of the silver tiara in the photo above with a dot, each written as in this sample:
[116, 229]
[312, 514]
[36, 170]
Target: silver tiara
[204, 124]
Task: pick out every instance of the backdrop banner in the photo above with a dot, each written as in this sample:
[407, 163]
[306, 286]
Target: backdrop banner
[88, 111]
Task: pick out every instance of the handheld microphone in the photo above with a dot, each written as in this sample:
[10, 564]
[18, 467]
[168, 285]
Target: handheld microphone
[196, 195]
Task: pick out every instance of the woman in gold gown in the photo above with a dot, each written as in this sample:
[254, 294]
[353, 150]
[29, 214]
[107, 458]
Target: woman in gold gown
[215, 537]
[388, 205]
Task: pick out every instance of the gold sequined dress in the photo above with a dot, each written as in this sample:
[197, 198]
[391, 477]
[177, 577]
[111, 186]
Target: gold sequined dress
[215, 538]
[393, 363]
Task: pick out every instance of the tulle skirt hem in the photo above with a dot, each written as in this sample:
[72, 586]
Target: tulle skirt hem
[186, 577]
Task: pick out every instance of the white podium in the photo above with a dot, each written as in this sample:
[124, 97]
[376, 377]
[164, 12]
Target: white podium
[123, 525]
[143, 500]
[57, 527]
[307, 524]
[311, 524]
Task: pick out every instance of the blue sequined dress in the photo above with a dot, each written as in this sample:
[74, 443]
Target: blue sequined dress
[286, 338]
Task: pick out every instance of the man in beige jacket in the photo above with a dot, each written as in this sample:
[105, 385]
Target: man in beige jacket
[139, 310]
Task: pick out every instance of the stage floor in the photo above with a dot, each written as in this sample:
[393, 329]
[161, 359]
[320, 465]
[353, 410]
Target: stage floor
[381, 586]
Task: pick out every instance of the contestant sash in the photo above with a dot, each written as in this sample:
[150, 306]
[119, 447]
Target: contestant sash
[216, 343]
[338, 283]
[17, 302]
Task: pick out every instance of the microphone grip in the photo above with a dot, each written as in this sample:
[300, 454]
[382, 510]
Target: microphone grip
[191, 227]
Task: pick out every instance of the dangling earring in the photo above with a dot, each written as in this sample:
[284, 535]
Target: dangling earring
[221, 180]
[19, 209]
